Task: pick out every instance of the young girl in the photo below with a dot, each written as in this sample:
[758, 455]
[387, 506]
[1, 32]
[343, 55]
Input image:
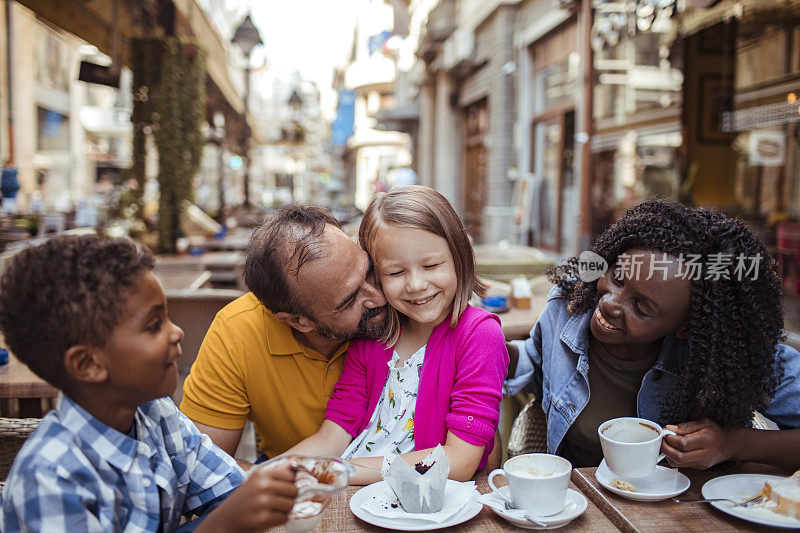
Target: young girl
[436, 377]
[683, 328]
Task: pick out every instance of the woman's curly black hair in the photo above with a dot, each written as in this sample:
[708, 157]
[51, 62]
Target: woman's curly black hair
[735, 324]
[66, 292]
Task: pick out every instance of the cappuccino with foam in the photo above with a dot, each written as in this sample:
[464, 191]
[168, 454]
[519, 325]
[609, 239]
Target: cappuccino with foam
[626, 430]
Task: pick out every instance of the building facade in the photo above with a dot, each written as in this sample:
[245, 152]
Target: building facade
[698, 103]
[64, 135]
[467, 111]
[371, 153]
[543, 121]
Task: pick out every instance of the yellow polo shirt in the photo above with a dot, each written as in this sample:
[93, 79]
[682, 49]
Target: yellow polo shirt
[251, 366]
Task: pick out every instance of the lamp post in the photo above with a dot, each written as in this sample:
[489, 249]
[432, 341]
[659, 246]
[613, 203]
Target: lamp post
[218, 136]
[247, 37]
[295, 137]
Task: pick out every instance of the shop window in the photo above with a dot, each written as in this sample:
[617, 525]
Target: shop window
[548, 151]
[656, 167]
[637, 73]
[646, 49]
[53, 130]
[51, 60]
[476, 125]
[762, 59]
[553, 164]
[795, 61]
[558, 83]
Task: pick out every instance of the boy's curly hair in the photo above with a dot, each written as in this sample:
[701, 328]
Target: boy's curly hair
[735, 324]
[68, 291]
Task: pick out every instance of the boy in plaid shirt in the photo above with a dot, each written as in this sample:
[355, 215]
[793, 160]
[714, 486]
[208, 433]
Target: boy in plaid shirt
[87, 315]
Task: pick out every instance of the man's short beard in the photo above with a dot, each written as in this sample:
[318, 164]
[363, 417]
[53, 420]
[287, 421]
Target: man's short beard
[366, 329]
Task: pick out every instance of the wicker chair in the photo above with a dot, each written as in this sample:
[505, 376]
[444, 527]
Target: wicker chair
[761, 422]
[529, 432]
[13, 433]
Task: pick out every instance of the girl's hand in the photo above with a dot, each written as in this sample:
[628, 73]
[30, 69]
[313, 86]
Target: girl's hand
[262, 501]
[698, 444]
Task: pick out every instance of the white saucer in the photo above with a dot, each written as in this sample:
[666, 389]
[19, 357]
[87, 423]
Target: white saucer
[576, 505]
[472, 508]
[662, 484]
[740, 487]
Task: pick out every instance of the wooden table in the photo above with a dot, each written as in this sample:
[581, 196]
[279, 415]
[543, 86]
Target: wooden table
[224, 267]
[234, 242]
[517, 323]
[23, 392]
[667, 516]
[189, 280]
[339, 517]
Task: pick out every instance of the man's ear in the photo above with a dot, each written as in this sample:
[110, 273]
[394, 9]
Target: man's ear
[684, 330]
[84, 364]
[298, 322]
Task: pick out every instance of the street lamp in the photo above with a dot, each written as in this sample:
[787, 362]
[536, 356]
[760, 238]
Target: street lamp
[217, 135]
[247, 37]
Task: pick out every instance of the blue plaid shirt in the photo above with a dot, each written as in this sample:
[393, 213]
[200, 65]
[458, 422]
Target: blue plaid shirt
[77, 474]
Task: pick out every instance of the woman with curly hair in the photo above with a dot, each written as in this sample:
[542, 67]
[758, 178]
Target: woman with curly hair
[683, 328]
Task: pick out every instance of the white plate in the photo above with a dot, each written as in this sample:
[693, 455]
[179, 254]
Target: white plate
[576, 505]
[740, 487]
[407, 524]
[662, 484]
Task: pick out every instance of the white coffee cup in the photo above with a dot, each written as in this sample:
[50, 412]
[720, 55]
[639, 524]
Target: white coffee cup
[632, 446]
[537, 482]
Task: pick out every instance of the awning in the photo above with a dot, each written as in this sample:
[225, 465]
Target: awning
[91, 20]
[694, 20]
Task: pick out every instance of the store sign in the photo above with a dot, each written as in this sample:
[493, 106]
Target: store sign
[767, 148]
[93, 73]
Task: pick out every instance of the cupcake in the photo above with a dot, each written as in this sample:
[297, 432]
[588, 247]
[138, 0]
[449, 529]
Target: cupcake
[419, 488]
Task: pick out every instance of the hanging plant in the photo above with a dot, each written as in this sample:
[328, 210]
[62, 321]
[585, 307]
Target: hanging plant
[145, 56]
[171, 103]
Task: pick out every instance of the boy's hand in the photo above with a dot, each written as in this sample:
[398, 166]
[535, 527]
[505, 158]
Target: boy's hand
[262, 501]
[698, 444]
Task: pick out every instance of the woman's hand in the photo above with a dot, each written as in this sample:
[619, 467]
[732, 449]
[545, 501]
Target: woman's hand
[262, 501]
[697, 444]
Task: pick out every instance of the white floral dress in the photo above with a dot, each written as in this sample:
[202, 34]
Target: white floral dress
[391, 428]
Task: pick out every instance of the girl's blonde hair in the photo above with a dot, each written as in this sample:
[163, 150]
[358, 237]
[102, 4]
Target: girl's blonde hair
[417, 206]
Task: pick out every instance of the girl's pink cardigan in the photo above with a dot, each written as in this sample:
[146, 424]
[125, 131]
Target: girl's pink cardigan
[460, 385]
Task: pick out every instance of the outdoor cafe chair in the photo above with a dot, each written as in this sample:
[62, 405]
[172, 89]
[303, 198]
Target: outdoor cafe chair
[529, 431]
[13, 433]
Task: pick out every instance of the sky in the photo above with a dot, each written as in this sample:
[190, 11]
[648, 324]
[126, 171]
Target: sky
[308, 36]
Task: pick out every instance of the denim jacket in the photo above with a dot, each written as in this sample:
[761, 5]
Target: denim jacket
[554, 365]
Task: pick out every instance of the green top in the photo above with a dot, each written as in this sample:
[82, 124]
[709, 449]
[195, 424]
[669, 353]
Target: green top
[613, 387]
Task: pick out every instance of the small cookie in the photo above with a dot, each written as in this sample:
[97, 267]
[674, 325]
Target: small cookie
[623, 485]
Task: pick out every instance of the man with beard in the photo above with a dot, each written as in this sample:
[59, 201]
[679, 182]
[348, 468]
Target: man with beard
[274, 355]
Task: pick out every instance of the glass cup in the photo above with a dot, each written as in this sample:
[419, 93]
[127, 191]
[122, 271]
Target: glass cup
[318, 478]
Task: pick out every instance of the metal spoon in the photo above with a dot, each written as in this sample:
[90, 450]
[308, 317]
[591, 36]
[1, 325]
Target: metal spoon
[509, 507]
[755, 500]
